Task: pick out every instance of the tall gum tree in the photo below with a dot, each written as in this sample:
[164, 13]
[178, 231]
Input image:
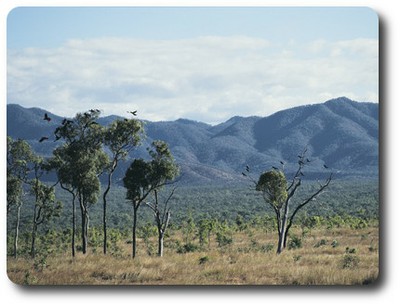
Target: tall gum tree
[80, 162]
[144, 177]
[121, 137]
[19, 164]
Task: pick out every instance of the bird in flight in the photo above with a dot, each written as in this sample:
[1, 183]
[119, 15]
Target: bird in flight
[43, 139]
[46, 117]
[325, 166]
[133, 113]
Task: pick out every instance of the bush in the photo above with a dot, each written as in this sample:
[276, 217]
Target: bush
[295, 243]
[187, 248]
[350, 261]
[319, 243]
[223, 240]
[203, 260]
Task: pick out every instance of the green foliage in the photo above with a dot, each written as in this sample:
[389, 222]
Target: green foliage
[203, 260]
[187, 248]
[320, 243]
[273, 186]
[295, 243]
[350, 261]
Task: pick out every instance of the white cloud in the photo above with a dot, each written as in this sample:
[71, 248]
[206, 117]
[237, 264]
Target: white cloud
[207, 78]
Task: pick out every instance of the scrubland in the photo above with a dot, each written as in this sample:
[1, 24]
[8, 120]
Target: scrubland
[336, 256]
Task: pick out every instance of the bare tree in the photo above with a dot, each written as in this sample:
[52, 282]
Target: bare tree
[279, 193]
[162, 214]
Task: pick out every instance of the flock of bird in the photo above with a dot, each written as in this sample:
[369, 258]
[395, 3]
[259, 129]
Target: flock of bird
[283, 166]
[66, 121]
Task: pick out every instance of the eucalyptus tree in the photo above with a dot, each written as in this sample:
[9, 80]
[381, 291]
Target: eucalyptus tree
[279, 193]
[121, 137]
[79, 163]
[46, 206]
[144, 177]
[19, 164]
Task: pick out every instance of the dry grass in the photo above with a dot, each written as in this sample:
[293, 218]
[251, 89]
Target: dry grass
[241, 263]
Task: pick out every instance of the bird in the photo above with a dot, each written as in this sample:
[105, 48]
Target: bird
[282, 163]
[308, 161]
[43, 139]
[247, 168]
[275, 168]
[325, 166]
[46, 117]
[133, 113]
[244, 174]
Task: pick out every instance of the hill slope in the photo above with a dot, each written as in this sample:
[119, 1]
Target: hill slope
[341, 133]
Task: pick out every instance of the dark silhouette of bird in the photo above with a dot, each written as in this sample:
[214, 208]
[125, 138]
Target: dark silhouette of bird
[43, 139]
[275, 168]
[325, 166]
[282, 163]
[247, 168]
[133, 113]
[46, 117]
[244, 174]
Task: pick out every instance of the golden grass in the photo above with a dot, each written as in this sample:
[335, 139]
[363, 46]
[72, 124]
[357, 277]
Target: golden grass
[240, 263]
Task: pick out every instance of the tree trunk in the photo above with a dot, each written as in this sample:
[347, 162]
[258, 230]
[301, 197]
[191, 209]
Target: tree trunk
[105, 214]
[73, 225]
[283, 231]
[34, 229]
[17, 230]
[160, 243]
[134, 231]
[84, 231]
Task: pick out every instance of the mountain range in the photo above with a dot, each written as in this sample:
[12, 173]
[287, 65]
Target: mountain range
[340, 133]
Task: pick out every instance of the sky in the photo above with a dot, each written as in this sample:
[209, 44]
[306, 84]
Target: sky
[201, 63]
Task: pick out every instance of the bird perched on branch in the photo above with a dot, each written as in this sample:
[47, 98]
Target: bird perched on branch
[46, 117]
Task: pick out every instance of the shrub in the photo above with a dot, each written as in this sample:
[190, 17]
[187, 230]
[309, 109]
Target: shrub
[203, 260]
[187, 248]
[350, 261]
[295, 243]
[319, 243]
[223, 240]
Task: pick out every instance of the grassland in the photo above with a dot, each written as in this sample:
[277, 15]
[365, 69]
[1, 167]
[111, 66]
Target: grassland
[337, 256]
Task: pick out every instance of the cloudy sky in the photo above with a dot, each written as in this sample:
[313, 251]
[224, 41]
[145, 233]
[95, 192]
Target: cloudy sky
[201, 63]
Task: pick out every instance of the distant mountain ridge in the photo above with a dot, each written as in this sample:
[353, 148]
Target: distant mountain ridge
[340, 133]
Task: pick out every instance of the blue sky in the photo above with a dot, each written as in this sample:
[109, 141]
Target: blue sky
[207, 63]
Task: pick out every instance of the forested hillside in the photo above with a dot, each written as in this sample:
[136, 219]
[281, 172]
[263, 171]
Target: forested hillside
[340, 133]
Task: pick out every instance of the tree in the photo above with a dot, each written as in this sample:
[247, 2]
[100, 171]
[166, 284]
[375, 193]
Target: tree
[80, 161]
[162, 215]
[144, 177]
[121, 137]
[19, 165]
[279, 193]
